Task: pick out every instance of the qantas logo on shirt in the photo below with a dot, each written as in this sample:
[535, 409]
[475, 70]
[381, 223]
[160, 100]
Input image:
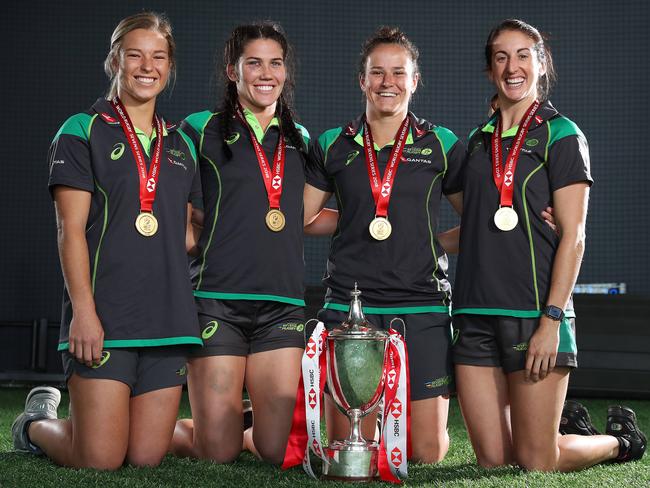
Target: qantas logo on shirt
[118, 150]
[108, 118]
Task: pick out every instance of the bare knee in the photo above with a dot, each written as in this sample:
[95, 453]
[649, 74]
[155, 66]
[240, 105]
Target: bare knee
[217, 451]
[430, 450]
[144, 459]
[537, 460]
[271, 450]
[101, 461]
[492, 458]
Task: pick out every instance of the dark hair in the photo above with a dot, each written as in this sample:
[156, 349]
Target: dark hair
[388, 35]
[144, 20]
[541, 48]
[233, 50]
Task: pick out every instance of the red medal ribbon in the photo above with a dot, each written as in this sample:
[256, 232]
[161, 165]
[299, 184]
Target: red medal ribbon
[504, 177]
[381, 191]
[148, 182]
[272, 176]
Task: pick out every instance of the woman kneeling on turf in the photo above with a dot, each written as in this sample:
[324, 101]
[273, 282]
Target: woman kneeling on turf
[513, 309]
[121, 213]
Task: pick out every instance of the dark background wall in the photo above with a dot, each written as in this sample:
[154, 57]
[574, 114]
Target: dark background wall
[52, 68]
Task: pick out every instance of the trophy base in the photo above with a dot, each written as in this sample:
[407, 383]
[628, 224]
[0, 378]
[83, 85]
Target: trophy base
[351, 463]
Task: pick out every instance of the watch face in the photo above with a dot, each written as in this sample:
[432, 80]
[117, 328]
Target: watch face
[554, 312]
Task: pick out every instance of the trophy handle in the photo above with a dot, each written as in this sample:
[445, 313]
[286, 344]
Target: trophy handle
[395, 319]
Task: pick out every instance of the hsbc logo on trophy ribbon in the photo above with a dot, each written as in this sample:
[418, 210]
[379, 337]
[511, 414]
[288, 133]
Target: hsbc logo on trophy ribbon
[277, 182]
[396, 457]
[151, 185]
[396, 409]
[311, 348]
[312, 398]
[391, 378]
[385, 190]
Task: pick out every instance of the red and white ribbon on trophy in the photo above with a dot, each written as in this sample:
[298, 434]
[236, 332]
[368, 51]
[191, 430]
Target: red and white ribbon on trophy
[308, 405]
[395, 410]
[394, 447]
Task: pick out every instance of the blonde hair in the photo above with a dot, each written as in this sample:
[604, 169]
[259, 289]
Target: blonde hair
[144, 20]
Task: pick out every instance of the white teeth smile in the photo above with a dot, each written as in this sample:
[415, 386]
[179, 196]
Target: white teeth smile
[264, 88]
[145, 79]
[515, 81]
[387, 94]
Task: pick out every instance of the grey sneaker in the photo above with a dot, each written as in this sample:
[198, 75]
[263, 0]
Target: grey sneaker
[41, 403]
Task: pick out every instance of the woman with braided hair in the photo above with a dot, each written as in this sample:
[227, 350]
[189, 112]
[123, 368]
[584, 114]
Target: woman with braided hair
[248, 273]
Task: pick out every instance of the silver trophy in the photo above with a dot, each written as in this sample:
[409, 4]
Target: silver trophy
[355, 378]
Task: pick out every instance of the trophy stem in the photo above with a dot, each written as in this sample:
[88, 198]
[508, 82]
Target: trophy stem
[355, 437]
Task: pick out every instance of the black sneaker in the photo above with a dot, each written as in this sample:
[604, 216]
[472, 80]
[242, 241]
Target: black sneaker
[621, 423]
[575, 420]
[247, 407]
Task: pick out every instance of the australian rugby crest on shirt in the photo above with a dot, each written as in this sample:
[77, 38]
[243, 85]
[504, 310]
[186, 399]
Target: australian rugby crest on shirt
[145, 223]
[505, 217]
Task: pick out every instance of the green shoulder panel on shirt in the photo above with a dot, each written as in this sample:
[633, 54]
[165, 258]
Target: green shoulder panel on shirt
[304, 132]
[327, 138]
[77, 125]
[189, 143]
[447, 138]
[471, 134]
[198, 120]
[562, 127]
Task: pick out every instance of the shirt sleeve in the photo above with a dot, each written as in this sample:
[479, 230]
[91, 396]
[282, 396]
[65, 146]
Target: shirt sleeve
[453, 179]
[69, 157]
[568, 162]
[315, 171]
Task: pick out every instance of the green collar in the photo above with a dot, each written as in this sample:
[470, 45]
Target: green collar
[255, 125]
[359, 139]
[146, 141]
[489, 127]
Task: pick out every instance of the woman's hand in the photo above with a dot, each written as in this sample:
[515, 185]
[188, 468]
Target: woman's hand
[86, 338]
[542, 350]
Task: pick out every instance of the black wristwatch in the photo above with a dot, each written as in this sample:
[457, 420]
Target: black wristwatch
[553, 312]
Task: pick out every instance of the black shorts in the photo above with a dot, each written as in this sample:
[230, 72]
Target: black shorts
[243, 327]
[428, 345]
[142, 369]
[497, 340]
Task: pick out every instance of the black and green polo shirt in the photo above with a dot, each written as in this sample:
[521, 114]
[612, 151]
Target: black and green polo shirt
[240, 258]
[406, 273]
[509, 273]
[141, 285]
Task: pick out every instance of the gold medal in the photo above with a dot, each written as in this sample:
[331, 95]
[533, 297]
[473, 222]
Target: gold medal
[146, 224]
[506, 218]
[380, 228]
[275, 220]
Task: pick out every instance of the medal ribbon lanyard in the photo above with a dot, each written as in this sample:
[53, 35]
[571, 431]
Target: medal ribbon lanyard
[272, 176]
[504, 176]
[381, 190]
[148, 182]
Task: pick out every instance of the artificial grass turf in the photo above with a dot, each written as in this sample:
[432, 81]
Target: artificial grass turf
[457, 470]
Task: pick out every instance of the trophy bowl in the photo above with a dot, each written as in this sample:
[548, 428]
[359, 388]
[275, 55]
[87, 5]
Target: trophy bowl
[355, 354]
